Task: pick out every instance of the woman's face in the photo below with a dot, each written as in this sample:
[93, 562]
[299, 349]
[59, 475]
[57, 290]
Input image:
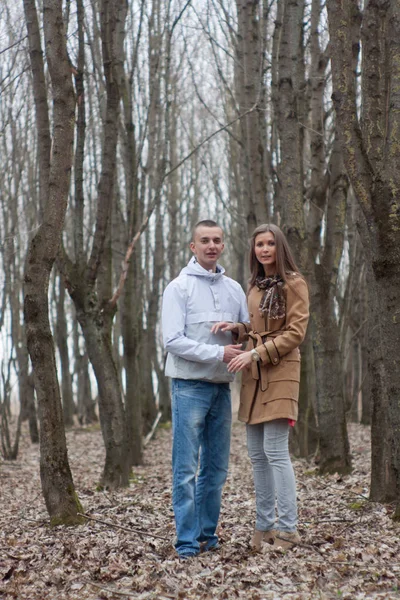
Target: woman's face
[265, 250]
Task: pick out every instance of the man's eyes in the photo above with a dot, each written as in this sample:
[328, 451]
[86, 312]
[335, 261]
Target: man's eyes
[206, 241]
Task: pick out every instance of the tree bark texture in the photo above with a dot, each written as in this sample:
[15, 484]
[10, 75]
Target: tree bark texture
[333, 441]
[371, 151]
[250, 92]
[62, 344]
[288, 88]
[131, 328]
[288, 92]
[57, 484]
[86, 406]
[87, 284]
[132, 298]
[112, 417]
[383, 476]
[30, 410]
[304, 438]
[40, 99]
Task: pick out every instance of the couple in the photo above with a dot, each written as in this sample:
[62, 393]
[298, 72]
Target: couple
[206, 318]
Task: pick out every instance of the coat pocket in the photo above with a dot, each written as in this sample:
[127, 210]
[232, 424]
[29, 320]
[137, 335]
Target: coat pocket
[281, 390]
[286, 370]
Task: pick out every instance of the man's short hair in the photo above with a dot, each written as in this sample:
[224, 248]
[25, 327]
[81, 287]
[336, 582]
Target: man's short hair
[204, 223]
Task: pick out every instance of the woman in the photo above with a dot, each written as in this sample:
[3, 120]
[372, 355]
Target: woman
[278, 308]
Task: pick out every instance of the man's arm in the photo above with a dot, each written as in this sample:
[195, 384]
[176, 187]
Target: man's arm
[173, 328]
[244, 311]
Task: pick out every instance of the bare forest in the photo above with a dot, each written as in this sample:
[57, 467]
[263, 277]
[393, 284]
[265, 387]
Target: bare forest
[122, 124]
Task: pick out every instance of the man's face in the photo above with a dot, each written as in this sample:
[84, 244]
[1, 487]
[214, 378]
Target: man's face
[207, 246]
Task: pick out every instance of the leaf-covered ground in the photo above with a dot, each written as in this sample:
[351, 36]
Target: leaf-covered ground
[350, 549]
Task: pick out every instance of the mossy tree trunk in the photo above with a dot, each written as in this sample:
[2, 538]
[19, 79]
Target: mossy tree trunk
[57, 484]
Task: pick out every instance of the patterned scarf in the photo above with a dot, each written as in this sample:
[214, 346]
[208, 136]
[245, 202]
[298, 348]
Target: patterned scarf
[273, 302]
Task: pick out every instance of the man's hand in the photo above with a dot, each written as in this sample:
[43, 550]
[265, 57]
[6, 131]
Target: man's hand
[224, 326]
[231, 352]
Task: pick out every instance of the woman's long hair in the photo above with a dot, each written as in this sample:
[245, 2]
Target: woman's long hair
[285, 263]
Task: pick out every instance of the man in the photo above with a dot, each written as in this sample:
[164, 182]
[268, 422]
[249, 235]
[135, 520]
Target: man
[201, 405]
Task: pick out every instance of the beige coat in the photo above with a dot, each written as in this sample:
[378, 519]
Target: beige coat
[270, 388]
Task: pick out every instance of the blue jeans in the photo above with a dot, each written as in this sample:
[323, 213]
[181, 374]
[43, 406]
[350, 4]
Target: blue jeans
[201, 428]
[268, 449]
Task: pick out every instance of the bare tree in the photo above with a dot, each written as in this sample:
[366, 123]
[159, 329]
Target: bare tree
[250, 90]
[58, 488]
[370, 146]
[288, 92]
[88, 286]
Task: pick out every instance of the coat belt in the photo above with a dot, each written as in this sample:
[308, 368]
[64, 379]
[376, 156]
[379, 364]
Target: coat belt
[259, 338]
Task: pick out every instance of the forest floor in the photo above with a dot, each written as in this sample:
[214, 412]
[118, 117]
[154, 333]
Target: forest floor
[350, 547]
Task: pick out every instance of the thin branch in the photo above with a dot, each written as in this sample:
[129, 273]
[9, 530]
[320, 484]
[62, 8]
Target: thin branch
[14, 44]
[152, 430]
[129, 530]
[300, 544]
[125, 263]
[110, 590]
[178, 18]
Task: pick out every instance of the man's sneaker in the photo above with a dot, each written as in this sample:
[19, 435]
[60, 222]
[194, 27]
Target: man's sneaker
[204, 547]
[186, 555]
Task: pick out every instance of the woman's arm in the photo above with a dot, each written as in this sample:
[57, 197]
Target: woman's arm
[297, 315]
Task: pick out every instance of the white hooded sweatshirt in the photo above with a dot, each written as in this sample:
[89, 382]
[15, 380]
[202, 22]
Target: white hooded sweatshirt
[192, 303]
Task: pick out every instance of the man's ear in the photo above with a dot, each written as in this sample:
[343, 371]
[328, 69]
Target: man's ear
[192, 246]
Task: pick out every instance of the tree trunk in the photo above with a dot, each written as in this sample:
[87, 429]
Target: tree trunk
[288, 101]
[304, 439]
[86, 405]
[112, 418]
[250, 93]
[58, 488]
[30, 409]
[331, 414]
[371, 153]
[62, 343]
[383, 477]
[40, 97]
[288, 89]
[82, 278]
[130, 335]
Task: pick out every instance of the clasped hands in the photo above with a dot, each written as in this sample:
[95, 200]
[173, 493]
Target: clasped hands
[236, 358]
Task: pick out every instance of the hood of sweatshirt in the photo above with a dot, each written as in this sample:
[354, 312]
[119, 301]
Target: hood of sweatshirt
[194, 268]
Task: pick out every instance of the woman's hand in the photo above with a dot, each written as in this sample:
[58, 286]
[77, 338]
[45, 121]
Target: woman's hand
[239, 362]
[224, 326]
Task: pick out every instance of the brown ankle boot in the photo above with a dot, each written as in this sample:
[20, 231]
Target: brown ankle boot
[286, 540]
[262, 536]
